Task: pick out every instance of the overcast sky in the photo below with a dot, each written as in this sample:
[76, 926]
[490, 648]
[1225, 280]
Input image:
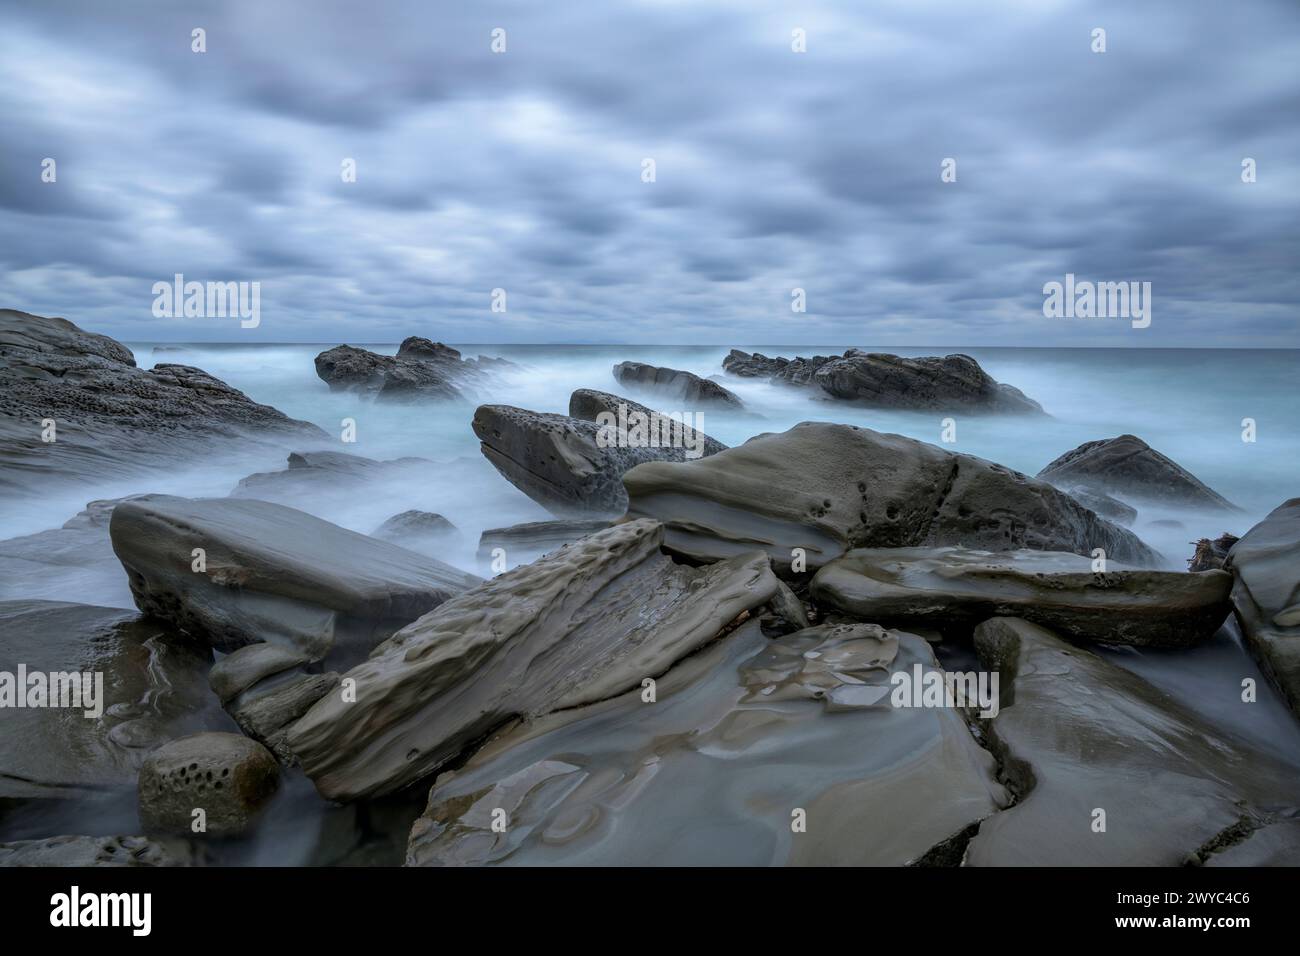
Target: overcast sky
[774, 169]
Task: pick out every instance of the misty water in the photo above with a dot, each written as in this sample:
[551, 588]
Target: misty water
[1188, 404]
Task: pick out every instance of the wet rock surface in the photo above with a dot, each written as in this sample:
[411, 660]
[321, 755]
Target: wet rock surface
[265, 688]
[524, 542]
[1077, 734]
[582, 624]
[952, 589]
[272, 574]
[229, 777]
[1265, 566]
[675, 384]
[1129, 467]
[828, 488]
[69, 850]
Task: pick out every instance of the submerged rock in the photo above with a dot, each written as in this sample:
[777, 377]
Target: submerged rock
[953, 589]
[741, 739]
[562, 463]
[523, 542]
[421, 369]
[79, 851]
[111, 419]
[1078, 736]
[320, 475]
[1265, 566]
[675, 384]
[154, 690]
[415, 529]
[1130, 467]
[589, 404]
[828, 488]
[229, 777]
[1109, 508]
[272, 574]
[582, 624]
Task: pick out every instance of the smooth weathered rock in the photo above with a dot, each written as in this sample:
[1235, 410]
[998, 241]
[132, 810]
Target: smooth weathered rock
[79, 851]
[947, 383]
[524, 542]
[419, 527]
[1130, 467]
[229, 777]
[1076, 734]
[582, 624]
[590, 404]
[154, 691]
[562, 463]
[111, 418]
[347, 368]
[675, 384]
[241, 669]
[1109, 508]
[953, 589]
[739, 737]
[1211, 555]
[828, 488]
[272, 574]
[266, 687]
[1265, 566]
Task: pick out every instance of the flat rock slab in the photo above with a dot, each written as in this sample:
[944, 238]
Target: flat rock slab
[1130, 467]
[582, 624]
[953, 589]
[828, 488]
[155, 690]
[590, 404]
[676, 384]
[1265, 566]
[525, 542]
[739, 737]
[1077, 734]
[272, 574]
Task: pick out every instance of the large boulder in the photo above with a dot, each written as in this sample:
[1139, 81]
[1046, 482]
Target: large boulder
[1129, 467]
[950, 590]
[567, 465]
[1265, 566]
[953, 383]
[673, 383]
[590, 405]
[154, 690]
[111, 419]
[740, 741]
[582, 624]
[229, 777]
[272, 574]
[1078, 737]
[829, 488]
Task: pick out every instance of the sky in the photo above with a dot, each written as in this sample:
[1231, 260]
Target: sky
[774, 170]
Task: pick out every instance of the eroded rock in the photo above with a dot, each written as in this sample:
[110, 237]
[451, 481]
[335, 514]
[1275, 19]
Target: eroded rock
[589, 404]
[675, 384]
[1130, 467]
[229, 777]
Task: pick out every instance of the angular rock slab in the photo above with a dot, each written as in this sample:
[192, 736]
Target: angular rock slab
[589, 404]
[273, 574]
[953, 589]
[1129, 466]
[739, 736]
[582, 624]
[829, 488]
[1265, 566]
[155, 690]
[676, 384]
[1077, 733]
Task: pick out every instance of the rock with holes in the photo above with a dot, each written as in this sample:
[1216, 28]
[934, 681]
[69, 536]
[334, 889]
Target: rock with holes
[744, 743]
[676, 385]
[153, 691]
[235, 572]
[950, 590]
[1265, 566]
[1108, 770]
[824, 489]
[591, 405]
[228, 777]
[1129, 467]
[79, 851]
[584, 623]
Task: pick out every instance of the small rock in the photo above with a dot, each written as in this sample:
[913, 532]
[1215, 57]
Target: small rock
[229, 777]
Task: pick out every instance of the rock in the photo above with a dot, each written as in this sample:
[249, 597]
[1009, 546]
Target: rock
[241, 669]
[951, 383]
[82, 851]
[797, 371]
[1211, 555]
[1109, 508]
[953, 589]
[587, 622]
[1130, 467]
[265, 687]
[111, 418]
[562, 463]
[419, 527]
[788, 613]
[829, 488]
[741, 734]
[321, 475]
[229, 777]
[153, 691]
[1275, 843]
[524, 542]
[1265, 566]
[346, 368]
[273, 574]
[1076, 733]
[676, 384]
[589, 404]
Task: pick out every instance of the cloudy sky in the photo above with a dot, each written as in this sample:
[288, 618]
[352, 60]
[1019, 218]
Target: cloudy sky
[773, 169]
